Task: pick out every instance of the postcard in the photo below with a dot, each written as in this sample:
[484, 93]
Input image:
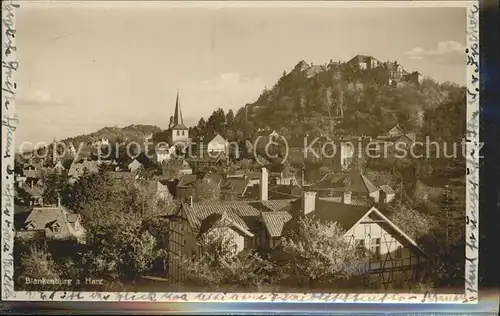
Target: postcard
[240, 151]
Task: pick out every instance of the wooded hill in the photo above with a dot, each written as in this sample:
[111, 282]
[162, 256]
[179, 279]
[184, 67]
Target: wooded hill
[340, 99]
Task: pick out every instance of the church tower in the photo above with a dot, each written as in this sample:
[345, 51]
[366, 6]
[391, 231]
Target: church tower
[178, 131]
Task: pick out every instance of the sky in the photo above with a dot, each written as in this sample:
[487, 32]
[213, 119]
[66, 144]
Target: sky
[84, 66]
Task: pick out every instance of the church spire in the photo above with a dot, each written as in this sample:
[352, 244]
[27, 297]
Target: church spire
[177, 112]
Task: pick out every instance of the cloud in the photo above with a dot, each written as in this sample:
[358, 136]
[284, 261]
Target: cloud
[445, 52]
[38, 98]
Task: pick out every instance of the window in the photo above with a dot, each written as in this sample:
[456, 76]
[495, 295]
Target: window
[399, 252]
[185, 241]
[177, 133]
[360, 244]
[375, 249]
[398, 282]
[182, 133]
[56, 229]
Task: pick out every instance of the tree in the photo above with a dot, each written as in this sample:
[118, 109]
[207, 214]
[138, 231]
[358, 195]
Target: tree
[37, 264]
[89, 187]
[318, 251]
[412, 222]
[55, 185]
[216, 123]
[230, 118]
[220, 267]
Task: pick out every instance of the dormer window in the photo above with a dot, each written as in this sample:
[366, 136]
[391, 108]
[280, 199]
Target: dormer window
[56, 228]
[31, 225]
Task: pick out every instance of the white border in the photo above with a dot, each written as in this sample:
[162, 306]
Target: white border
[472, 208]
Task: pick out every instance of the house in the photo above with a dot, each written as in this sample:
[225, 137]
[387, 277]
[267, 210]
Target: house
[414, 77]
[186, 187]
[395, 131]
[394, 260]
[314, 70]
[78, 168]
[364, 62]
[238, 221]
[278, 192]
[71, 149]
[135, 165]
[261, 224]
[30, 194]
[268, 134]
[395, 71]
[208, 159]
[178, 132]
[59, 167]
[164, 153]
[217, 144]
[139, 162]
[55, 223]
[387, 194]
[176, 168]
[234, 188]
[101, 142]
[283, 178]
[32, 170]
[355, 183]
[155, 191]
[300, 67]
[396, 146]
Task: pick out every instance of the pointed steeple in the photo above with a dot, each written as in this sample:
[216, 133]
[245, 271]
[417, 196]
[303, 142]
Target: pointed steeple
[177, 113]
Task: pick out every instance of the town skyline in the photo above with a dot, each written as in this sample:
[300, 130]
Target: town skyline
[221, 60]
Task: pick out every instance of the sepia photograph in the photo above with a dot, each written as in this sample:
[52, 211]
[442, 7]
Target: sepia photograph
[252, 148]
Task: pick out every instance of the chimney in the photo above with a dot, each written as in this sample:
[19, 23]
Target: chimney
[58, 200]
[191, 201]
[346, 197]
[308, 201]
[282, 178]
[263, 183]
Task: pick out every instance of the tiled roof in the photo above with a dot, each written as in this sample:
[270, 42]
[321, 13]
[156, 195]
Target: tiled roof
[387, 189]
[198, 212]
[31, 173]
[277, 205]
[223, 219]
[361, 58]
[275, 221]
[180, 127]
[187, 180]
[153, 187]
[345, 215]
[355, 200]
[235, 185]
[236, 210]
[46, 217]
[355, 182]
